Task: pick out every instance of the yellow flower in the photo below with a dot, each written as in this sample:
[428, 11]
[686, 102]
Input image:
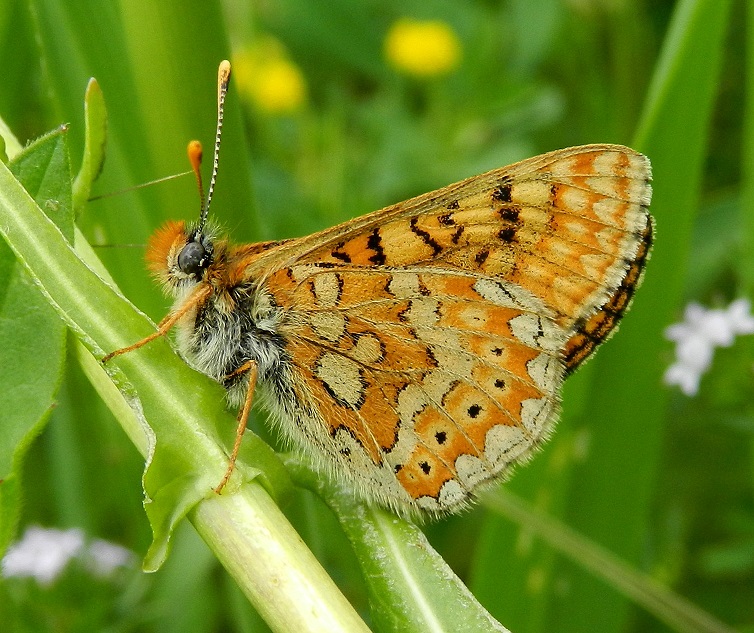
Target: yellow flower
[424, 49]
[266, 76]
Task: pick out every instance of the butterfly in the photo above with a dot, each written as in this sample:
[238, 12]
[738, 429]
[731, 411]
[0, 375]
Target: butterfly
[417, 353]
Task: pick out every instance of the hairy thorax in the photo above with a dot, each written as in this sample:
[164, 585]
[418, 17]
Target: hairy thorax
[233, 326]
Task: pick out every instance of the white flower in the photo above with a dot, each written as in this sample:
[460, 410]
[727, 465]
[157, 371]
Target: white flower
[687, 378]
[43, 553]
[104, 557]
[697, 337]
[739, 317]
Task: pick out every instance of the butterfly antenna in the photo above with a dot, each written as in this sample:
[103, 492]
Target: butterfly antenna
[195, 151]
[157, 181]
[223, 79]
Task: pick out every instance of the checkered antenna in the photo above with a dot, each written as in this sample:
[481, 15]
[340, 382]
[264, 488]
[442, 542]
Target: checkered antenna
[223, 79]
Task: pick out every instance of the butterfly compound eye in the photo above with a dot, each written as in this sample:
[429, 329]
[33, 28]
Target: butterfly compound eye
[192, 258]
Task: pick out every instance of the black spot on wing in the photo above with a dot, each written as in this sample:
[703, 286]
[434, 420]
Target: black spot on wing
[510, 213]
[502, 193]
[507, 234]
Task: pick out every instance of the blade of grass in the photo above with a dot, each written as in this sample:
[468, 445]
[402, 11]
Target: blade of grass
[677, 612]
[614, 485]
[599, 475]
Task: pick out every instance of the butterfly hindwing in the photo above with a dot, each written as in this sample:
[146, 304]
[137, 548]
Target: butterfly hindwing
[433, 336]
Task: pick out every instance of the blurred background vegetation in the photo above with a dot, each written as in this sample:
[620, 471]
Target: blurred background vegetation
[332, 115]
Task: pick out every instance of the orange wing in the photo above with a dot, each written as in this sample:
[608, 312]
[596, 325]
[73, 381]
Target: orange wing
[431, 338]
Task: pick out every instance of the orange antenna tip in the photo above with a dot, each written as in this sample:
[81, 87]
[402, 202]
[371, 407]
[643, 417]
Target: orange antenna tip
[194, 151]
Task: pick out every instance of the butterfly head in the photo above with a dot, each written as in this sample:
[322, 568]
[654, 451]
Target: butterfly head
[179, 256]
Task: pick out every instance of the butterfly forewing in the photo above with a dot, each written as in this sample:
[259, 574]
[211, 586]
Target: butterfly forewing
[431, 338]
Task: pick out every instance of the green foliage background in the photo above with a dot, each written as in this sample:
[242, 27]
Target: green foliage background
[663, 481]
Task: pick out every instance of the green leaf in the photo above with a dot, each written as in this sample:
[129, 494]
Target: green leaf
[95, 114]
[411, 587]
[32, 337]
[44, 170]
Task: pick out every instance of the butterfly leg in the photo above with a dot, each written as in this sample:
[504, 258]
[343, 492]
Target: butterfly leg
[243, 417]
[165, 325]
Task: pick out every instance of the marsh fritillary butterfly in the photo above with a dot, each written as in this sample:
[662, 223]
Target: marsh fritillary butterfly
[418, 352]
